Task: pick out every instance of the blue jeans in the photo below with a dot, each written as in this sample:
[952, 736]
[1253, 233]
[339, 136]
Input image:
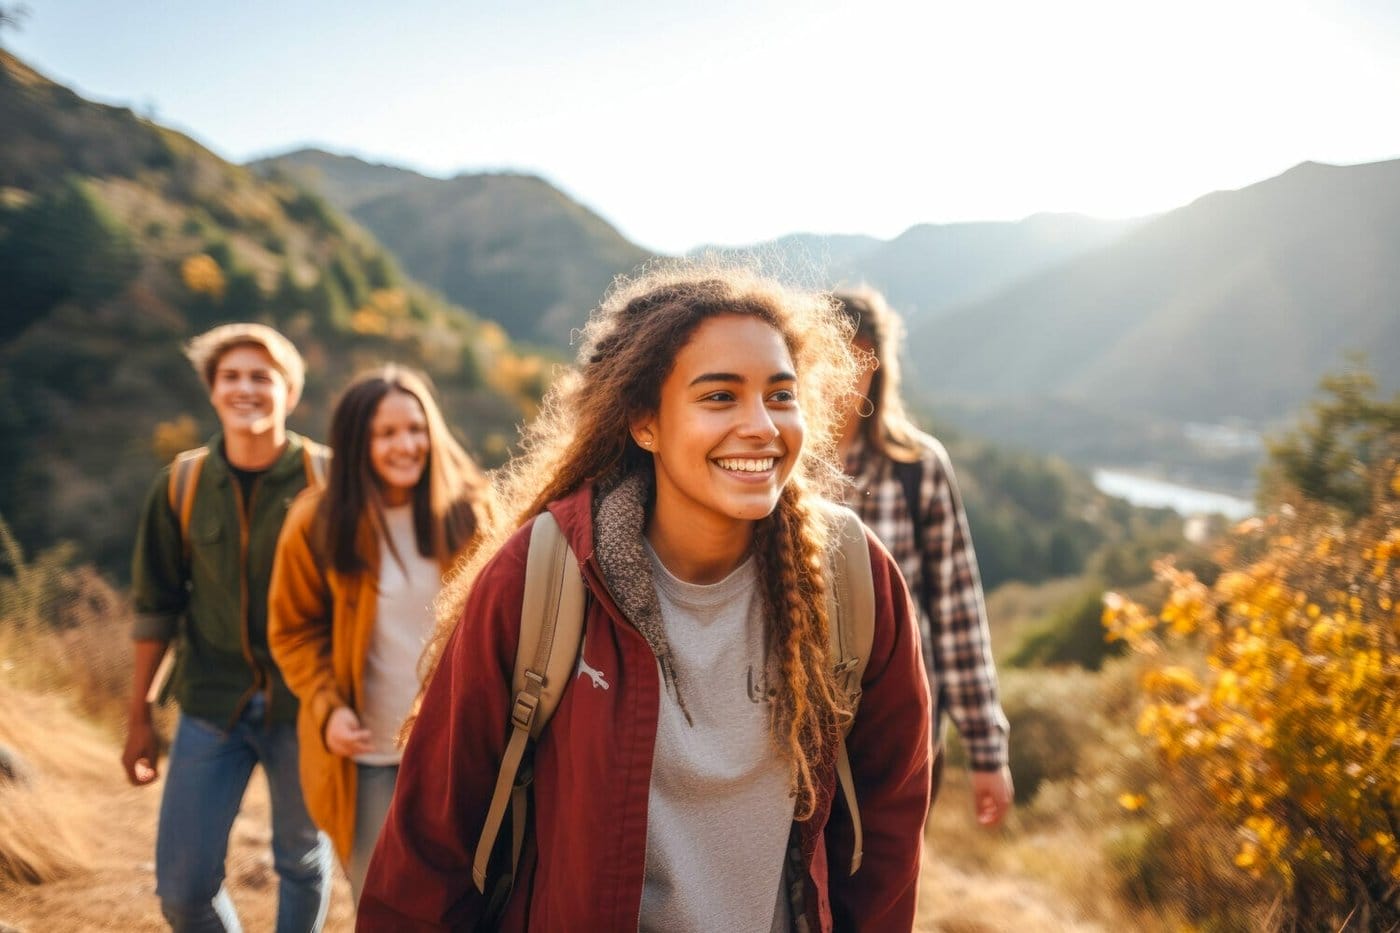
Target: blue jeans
[205, 778]
[373, 794]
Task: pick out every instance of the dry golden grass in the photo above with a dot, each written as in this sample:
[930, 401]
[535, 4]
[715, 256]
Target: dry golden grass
[47, 832]
[77, 842]
[39, 839]
[1028, 875]
[86, 838]
[64, 630]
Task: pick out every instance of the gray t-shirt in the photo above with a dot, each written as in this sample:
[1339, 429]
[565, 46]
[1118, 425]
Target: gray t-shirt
[719, 811]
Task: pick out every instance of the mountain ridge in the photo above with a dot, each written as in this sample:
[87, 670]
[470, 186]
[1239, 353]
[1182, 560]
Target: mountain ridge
[509, 245]
[1229, 309]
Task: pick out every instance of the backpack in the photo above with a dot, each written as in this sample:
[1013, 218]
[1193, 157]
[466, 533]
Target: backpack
[184, 480]
[551, 635]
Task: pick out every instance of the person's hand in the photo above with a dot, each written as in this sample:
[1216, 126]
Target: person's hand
[140, 755]
[344, 734]
[991, 795]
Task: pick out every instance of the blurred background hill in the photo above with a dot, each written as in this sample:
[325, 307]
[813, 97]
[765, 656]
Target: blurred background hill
[1188, 334]
[931, 268]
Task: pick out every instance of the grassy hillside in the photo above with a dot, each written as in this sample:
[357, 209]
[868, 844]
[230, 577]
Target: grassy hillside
[512, 247]
[1233, 306]
[119, 239]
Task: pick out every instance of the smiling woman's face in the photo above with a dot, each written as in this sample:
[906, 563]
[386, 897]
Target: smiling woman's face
[398, 446]
[728, 429]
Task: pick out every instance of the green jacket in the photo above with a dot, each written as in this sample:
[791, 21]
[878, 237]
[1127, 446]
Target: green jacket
[214, 609]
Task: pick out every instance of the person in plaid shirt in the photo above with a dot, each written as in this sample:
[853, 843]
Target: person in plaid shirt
[902, 486]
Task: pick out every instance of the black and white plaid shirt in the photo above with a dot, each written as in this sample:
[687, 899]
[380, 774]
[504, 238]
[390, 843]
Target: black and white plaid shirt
[942, 575]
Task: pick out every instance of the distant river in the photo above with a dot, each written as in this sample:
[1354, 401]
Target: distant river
[1139, 490]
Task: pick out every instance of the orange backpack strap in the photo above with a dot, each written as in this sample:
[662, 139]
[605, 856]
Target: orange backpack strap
[316, 458]
[184, 480]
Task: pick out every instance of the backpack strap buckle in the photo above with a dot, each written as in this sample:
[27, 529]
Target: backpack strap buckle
[522, 713]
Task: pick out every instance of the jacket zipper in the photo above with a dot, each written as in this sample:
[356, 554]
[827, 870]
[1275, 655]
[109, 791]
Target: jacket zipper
[245, 636]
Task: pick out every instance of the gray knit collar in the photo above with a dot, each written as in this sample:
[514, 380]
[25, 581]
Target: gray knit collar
[619, 536]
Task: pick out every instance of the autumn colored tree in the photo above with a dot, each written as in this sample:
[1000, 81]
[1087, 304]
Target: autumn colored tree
[1273, 695]
[202, 275]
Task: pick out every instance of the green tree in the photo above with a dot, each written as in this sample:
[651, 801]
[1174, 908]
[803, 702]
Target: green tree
[1072, 635]
[1327, 458]
[62, 246]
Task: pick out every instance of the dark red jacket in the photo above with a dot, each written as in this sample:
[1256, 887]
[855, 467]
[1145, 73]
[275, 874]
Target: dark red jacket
[583, 868]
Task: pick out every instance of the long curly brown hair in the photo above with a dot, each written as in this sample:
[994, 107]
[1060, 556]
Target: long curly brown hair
[581, 436]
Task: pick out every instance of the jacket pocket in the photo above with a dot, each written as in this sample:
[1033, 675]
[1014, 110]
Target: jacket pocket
[216, 592]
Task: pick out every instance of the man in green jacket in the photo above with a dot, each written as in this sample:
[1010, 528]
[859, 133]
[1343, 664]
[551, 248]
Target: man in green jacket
[200, 583]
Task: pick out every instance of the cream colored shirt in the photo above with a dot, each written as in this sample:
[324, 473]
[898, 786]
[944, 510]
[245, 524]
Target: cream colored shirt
[401, 629]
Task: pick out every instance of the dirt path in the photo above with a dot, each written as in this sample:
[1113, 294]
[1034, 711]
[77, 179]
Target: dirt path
[117, 892]
[77, 801]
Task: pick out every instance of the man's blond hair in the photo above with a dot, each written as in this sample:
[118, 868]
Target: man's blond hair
[205, 351]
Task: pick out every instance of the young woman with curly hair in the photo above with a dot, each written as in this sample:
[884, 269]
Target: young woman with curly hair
[686, 780]
[358, 567]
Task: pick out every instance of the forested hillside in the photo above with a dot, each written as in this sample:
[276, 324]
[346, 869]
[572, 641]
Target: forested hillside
[120, 239]
[511, 246]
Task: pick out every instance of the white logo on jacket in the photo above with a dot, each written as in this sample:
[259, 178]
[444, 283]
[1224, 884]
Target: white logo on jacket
[593, 673]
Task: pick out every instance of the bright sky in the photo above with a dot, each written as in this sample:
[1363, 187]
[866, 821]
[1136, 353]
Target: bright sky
[733, 121]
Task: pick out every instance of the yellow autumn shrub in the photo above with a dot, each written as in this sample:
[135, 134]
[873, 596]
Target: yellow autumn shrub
[202, 275]
[1283, 723]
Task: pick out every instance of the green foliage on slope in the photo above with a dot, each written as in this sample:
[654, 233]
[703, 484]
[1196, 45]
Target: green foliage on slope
[511, 246]
[119, 240]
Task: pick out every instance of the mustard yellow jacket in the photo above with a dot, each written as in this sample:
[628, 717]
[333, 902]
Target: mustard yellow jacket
[320, 623]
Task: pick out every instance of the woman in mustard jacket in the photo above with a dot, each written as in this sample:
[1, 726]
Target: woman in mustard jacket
[358, 567]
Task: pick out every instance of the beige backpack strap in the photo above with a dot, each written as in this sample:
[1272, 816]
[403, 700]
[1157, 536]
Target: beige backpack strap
[851, 613]
[551, 631]
[316, 459]
[184, 479]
